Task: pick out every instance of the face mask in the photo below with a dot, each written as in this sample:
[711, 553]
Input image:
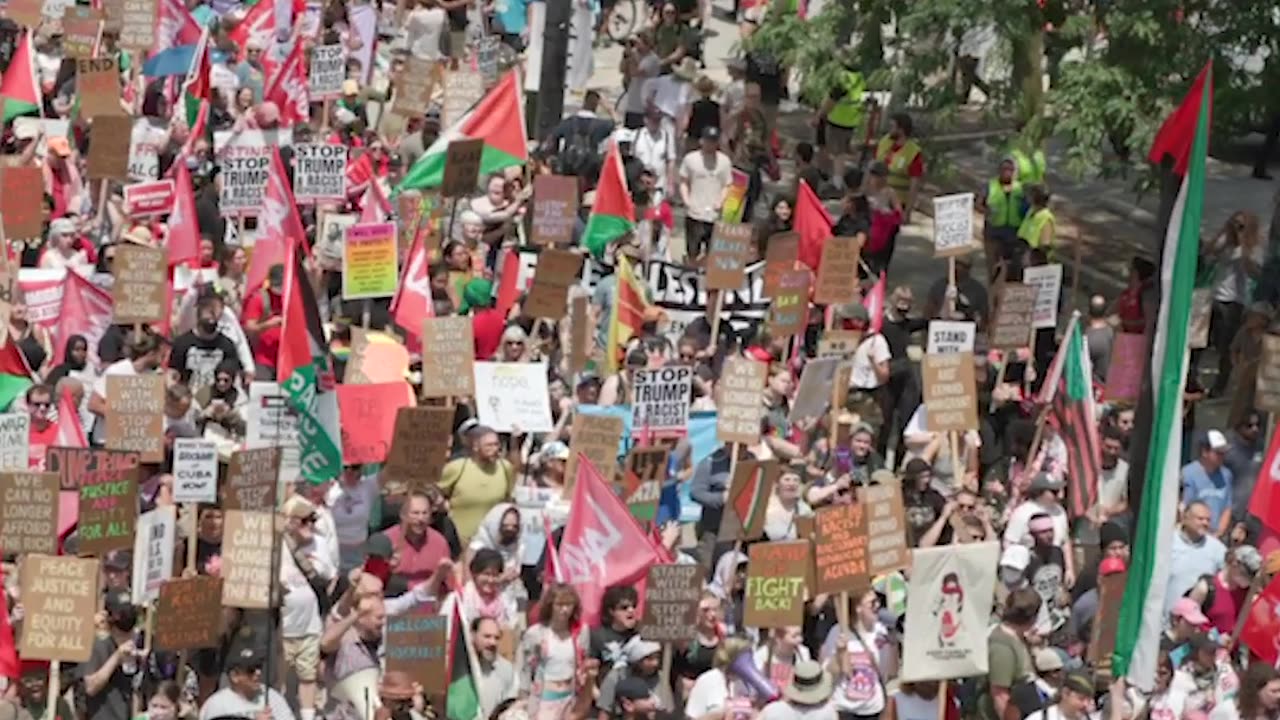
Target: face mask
[508, 536]
[208, 327]
[125, 619]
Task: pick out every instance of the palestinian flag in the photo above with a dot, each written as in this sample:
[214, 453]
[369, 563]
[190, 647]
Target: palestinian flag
[613, 215]
[498, 119]
[626, 315]
[15, 374]
[751, 499]
[1184, 136]
[1068, 388]
[462, 697]
[198, 87]
[19, 88]
[305, 370]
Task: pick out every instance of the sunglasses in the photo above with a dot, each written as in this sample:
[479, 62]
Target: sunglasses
[625, 606]
[40, 405]
[308, 520]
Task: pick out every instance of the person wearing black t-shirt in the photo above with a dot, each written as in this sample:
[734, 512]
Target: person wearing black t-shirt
[619, 619]
[199, 352]
[1047, 571]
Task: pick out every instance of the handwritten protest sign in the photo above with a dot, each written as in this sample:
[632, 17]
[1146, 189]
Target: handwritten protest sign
[98, 82]
[148, 199]
[1124, 373]
[462, 167]
[243, 159]
[732, 247]
[739, 406]
[29, 13]
[94, 465]
[419, 445]
[597, 438]
[109, 148]
[247, 549]
[415, 644]
[328, 70]
[29, 512]
[549, 295]
[838, 343]
[671, 597]
[1047, 280]
[643, 474]
[953, 225]
[320, 172]
[840, 549]
[189, 614]
[251, 480]
[513, 395]
[15, 441]
[108, 513]
[790, 308]
[370, 267]
[949, 392]
[140, 290]
[950, 336]
[153, 546]
[81, 32]
[414, 87]
[138, 25]
[195, 470]
[463, 88]
[1012, 327]
[781, 254]
[660, 400]
[579, 333]
[22, 202]
[369, 419]
[777, 576]
[135, 414]
[886, 528]
[555, 210]
[448, 357]
[837, 281]
[1267, 388]
[60, 597]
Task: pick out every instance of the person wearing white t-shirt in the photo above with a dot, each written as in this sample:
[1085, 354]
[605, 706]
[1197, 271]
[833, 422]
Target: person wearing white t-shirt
[1075, 700]
[1042, 498]
[302, 562]
[1236, 255]
[869, 371]
[718, 692]
[655, 148]
[1258, 698]
[705, 176]
[864, 664]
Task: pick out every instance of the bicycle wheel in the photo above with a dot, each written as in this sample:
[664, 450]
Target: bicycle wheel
[623, 20]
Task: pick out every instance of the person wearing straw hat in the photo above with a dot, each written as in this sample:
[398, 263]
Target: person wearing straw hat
[806, 697]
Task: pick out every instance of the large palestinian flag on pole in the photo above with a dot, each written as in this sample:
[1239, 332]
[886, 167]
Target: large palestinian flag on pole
[498, 119]
[1184, 136]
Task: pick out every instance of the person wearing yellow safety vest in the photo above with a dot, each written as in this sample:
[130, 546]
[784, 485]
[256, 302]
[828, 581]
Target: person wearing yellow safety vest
[1031, 166]
[1038, 227]
[839, 118]
[1004, 206]
[905, 160]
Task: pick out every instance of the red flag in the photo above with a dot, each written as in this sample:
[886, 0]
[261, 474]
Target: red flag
[259, 26]
[1178, 131]
[287, 88]
[1264, 504]
[85, 309]
[374, 206]
[553, 571]
[508, 284]
[279, 225]
[184, 233]
[412, 302]
[813, 223]
[873, 301]
[359, 173]
[9, 667]
[1261, 631]
[70, 429]
[174, 26]
[602, 544]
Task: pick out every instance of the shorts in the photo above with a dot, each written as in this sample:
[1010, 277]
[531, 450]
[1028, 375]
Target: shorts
[837, 139]
[303, 655]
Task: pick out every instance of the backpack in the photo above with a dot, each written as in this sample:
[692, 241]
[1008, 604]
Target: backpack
[579, 155]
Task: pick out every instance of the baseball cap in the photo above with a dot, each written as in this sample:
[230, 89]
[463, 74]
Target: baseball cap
[117, 560]
[1217, 441]
[1044, 481]
[555, 451]
[1017, 557]
[298, 507]
[245, 657]
[632, 688]
[116, 601]
[1079, 682]
[1110, 566]
[1048, 660]
[1248, 557]
[710, 133]
[1189, 610]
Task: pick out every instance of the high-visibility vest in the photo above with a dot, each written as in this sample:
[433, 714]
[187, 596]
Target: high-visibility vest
[900, 165]
[847, 113]
[1004, 209]
[1031, 168]
[1032, 228]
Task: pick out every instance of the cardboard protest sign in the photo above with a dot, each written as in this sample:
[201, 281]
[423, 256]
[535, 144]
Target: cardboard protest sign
[549, 295]
[153, 547]
[555, 210]
[244, 159]
[837, 281]
[370, 261]
[781, 254]
[1201, 315]
[1012, 327]
[838, 343]
[732, 247]
[949, 392]
[790, 308]
[328, 70]
[15, 441]
[886, 525]
[1106, 621]
[108, 513]
[29, 13]
[109, 147]
[148, 199]
[461, 167]
[596, 437]
[146, 142]
[777, 577]
[22, 202]
[671, 596]
[29, 512]
[138, 25]
[415, 644]
[579, 334]
[643, 474]
[247, 551]
[77, 465]
[739, 407]
[414, 86]
[140, 292]
[749, 491]
[60, 596]
[840, 549]
[81, 32]
[369, 419]
[189, 614]
[448, 356]
[320, 172]
[1124, 373]
[949, 597]
[195, 470]
[420, 445]
[1267, 386]
[251, 480]
[951, 336]
[814, 393]
[1047, 280]
[135, 413]
[463, 88]
[98, 82]
[512, 395]
[953, 225]
[660, 398]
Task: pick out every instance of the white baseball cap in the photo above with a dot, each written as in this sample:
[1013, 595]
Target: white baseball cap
[1217, 441]
[1016, 556]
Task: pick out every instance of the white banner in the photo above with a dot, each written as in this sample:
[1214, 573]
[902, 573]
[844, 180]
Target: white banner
[145, 144]
[513, 395]
[195, 471]
[949, 599]
[1047, 280]
[153, 553]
